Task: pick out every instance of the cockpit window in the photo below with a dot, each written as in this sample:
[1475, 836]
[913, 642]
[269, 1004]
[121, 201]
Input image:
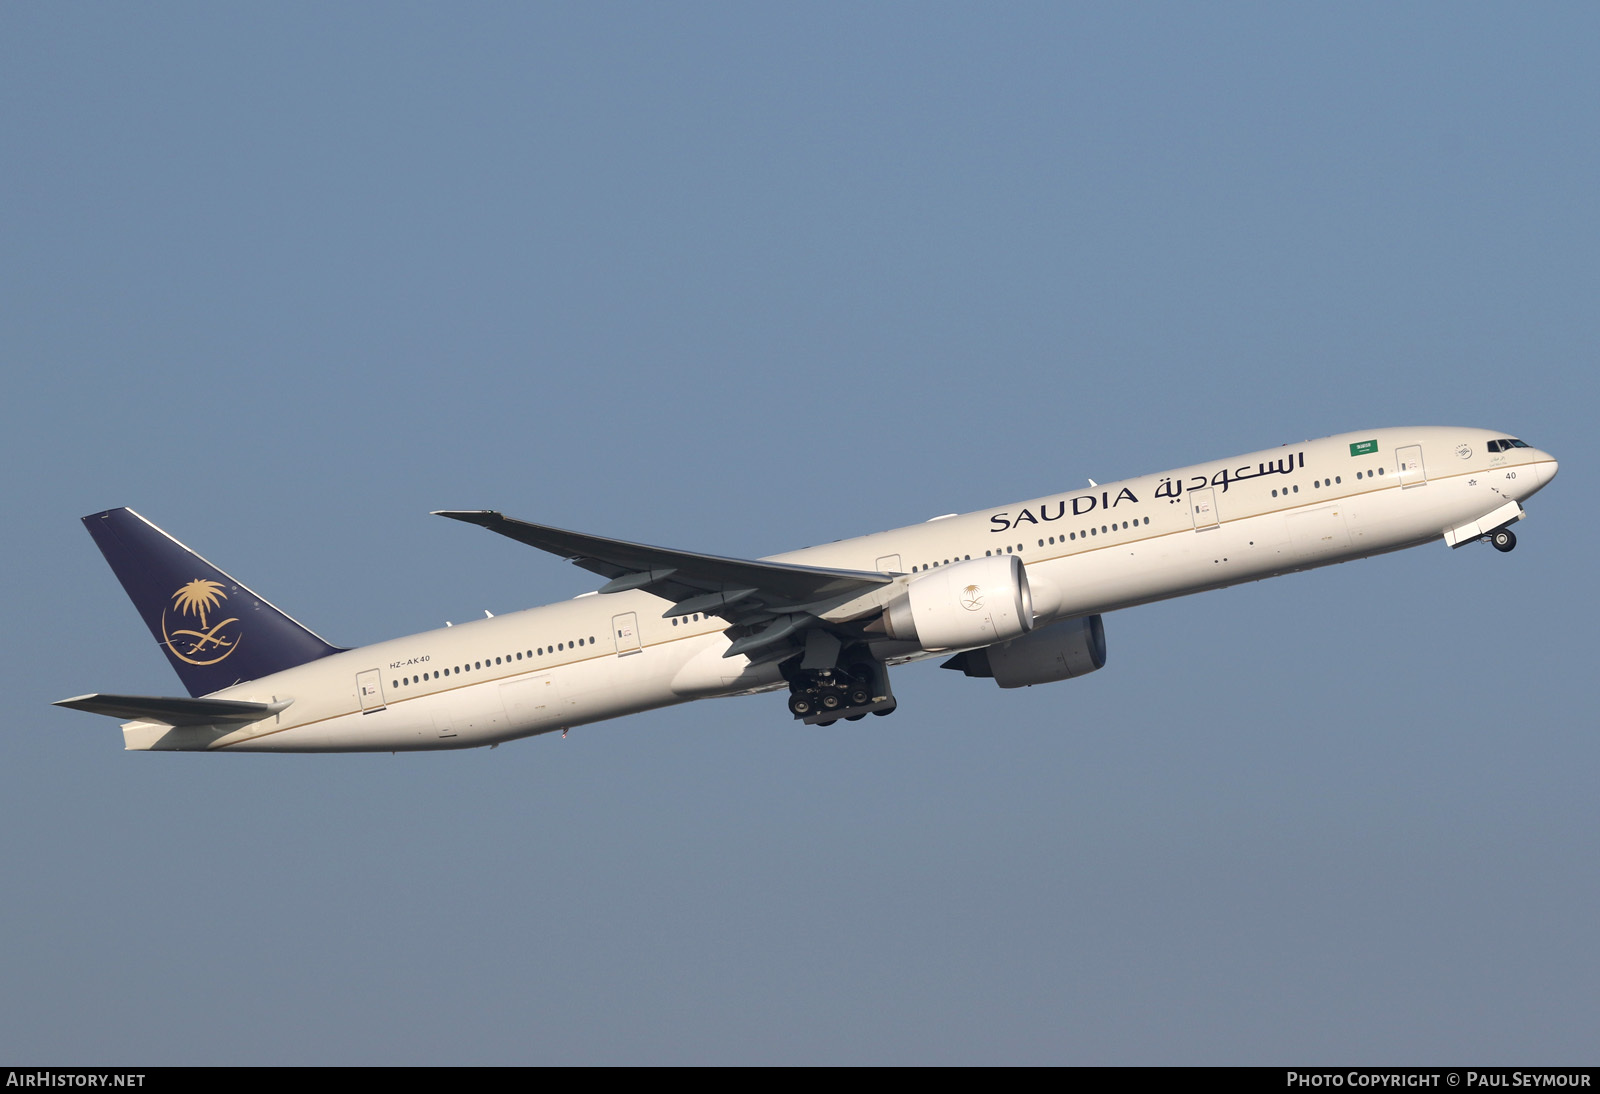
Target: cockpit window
[1506, 444]
[1518, 444]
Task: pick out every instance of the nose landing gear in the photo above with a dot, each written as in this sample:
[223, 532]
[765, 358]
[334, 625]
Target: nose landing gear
[1503, 539]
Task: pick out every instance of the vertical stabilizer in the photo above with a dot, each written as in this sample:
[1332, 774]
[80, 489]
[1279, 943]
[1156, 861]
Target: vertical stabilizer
[215, 631]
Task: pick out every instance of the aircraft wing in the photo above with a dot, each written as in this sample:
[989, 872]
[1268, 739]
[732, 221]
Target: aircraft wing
[174, 711]
[768, 602]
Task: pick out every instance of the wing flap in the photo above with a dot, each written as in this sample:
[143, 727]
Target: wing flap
[769, 604]
[678, 575]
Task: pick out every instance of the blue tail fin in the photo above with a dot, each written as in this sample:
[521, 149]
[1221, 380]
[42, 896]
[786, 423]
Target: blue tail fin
[215, 631]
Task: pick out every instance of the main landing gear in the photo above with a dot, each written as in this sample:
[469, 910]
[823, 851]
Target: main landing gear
[1502, 539]
[820, 698]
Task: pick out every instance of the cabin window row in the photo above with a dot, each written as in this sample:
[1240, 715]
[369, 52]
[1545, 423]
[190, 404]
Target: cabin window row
[457, 670]
[936, 562]
[1104, 529]
[1318, 484]
[1071, 537]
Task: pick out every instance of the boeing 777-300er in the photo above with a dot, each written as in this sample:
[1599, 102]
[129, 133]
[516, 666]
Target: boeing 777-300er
[1014, 593]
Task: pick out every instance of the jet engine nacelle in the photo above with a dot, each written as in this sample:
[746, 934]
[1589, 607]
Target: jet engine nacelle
[1060, 651]
[973, 603]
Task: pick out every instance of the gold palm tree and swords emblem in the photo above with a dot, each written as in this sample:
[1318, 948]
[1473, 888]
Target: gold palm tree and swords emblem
[211, 643]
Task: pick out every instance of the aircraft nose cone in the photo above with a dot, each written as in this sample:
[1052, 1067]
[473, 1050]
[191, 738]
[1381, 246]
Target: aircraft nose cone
[1547, 470]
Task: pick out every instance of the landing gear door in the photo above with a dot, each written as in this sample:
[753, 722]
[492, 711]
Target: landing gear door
[625, 629]
[369, 686]
[1408, 465]
[1204, 503]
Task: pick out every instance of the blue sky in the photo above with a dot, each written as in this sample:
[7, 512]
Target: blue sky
[742, 278]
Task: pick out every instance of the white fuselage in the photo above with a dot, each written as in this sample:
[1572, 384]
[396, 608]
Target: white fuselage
[1088, 551]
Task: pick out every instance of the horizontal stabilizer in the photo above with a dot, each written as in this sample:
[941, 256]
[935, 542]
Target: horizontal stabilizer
[175, 711]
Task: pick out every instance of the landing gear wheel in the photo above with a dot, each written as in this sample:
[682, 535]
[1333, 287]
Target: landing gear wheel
[885, 711]
[1503, 540]
[849, 691]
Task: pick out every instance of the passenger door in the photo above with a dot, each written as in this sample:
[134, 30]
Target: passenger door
[625, 631]
[369, 686]
[1408, 465]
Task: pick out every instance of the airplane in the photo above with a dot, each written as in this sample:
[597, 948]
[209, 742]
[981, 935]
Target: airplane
[1015, 594]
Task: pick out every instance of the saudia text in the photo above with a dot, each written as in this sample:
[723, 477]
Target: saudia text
[1084, 504]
